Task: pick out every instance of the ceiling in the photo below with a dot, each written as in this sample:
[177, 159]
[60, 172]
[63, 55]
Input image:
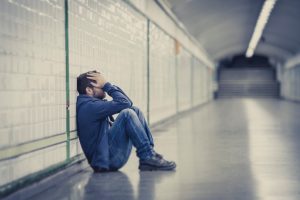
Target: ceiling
[224, 27]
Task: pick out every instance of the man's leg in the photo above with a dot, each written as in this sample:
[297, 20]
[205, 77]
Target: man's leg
[145, 165]
[125, 131]
[128, 130]
[143, 121]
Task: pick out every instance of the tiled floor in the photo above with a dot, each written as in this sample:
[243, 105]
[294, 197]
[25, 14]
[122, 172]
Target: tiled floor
[227, 149]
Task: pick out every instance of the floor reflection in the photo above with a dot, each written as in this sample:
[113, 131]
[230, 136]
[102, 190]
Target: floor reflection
[108, 186]
[149, 181]
[228, 149]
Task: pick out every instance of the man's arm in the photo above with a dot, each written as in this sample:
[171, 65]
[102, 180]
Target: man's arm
[116, 93]
[123, 94]
[120, 100]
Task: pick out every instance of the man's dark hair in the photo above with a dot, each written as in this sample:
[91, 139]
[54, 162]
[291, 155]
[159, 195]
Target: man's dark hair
[83, 82]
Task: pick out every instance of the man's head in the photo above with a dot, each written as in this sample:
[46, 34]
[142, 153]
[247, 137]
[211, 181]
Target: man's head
[85, 86]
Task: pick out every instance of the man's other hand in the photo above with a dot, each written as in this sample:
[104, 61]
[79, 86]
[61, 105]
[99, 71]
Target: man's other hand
[98, 77]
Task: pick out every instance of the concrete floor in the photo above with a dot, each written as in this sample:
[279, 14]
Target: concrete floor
[227, 149]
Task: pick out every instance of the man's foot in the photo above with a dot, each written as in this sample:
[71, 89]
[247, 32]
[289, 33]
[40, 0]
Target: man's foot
[158, 155]
[155, 163]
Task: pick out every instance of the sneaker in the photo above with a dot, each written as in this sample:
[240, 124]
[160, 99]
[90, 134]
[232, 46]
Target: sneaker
[155, 163]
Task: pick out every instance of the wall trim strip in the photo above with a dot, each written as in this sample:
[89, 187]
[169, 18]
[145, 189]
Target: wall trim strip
[67, 80]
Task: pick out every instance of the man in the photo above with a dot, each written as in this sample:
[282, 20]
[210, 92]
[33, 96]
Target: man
[106, 142]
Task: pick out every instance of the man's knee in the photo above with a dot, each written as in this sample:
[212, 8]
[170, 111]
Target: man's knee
[127, 112]
[136, 109]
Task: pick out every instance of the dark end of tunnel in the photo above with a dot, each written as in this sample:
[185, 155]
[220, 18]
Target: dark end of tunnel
[241, 61]
[241, 77]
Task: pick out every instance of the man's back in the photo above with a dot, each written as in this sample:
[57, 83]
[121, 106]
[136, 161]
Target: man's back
[92, 131]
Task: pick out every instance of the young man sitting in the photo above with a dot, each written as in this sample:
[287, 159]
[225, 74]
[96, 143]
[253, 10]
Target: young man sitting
[106, 142]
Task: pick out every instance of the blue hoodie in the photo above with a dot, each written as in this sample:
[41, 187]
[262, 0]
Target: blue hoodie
[92, 123]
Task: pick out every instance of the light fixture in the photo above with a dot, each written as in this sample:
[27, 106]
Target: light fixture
[260, 25]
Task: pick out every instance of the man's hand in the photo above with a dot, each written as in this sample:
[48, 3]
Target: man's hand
[98, 77]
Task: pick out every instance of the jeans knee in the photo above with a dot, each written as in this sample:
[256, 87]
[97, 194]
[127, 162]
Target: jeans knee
[127, 112]
[136, 109]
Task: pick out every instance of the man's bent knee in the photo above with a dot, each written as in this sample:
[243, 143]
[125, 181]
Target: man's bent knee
[136, 109]
[127, 112]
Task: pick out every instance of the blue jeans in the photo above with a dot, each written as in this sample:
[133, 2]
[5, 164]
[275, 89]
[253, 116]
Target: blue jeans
[130, 128]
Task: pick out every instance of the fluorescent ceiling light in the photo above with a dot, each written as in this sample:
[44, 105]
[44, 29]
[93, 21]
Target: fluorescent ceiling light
[260, 25]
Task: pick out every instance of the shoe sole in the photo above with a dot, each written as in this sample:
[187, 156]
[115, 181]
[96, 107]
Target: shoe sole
[155, 168]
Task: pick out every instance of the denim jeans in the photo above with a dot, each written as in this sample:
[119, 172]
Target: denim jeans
[129, 129]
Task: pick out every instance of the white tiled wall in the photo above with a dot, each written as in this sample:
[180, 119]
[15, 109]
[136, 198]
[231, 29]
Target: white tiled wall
[110, 37]
[202, 83]
[184, 80]
[32, 72]
[290, 83]
[75, 147]
[197, 82]
[32, 162]
[32, 77]
[205, 83]
[106, 35]
[162, 75]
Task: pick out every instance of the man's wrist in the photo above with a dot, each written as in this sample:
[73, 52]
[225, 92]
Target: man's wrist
[106, 86]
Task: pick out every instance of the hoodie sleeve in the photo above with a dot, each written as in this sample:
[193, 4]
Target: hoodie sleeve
[120, 101]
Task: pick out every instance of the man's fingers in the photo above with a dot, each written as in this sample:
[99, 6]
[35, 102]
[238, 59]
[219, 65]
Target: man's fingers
[94, 84]
[92, 77]
[93, 74]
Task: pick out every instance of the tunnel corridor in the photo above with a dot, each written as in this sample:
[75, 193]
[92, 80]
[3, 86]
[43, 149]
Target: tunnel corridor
[218, 82]
[226, 149]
